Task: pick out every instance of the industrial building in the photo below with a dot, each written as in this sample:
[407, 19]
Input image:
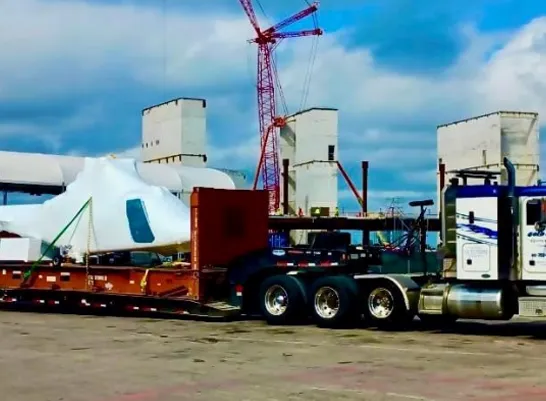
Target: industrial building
[309, 141]
[175, 131]
[480, 143]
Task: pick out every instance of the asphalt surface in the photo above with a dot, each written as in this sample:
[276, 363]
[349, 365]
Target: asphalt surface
[48, 357]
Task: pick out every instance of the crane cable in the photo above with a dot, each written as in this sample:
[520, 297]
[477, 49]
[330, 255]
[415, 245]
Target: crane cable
[258, 2]
[309, 73]
[164, 48]
[312, 58]
[277, 83]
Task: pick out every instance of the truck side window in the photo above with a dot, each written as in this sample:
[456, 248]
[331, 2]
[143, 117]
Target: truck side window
[533, 211]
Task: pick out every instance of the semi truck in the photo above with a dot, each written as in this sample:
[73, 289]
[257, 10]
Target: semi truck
[494, 245]
[494, 267]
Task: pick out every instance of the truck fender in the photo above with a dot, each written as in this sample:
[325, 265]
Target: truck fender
[408, 287]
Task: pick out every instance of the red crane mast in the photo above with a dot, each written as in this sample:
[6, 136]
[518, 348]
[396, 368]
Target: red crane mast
[267, 40]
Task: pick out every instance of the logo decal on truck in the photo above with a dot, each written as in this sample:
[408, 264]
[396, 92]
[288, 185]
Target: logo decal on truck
[536, 234]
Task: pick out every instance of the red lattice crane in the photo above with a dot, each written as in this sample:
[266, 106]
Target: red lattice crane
[269, 121]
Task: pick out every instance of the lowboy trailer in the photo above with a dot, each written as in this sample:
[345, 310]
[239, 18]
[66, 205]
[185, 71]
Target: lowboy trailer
[231, 270]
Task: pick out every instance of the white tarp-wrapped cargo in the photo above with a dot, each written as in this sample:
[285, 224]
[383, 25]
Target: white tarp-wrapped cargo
[112, 209]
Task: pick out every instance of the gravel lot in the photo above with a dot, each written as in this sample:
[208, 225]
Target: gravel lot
[48, 357]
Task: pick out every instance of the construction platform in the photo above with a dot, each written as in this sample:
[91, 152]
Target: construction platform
[348, 223]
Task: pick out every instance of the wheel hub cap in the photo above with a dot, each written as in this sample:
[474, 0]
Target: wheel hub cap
[381, 303]
[327, 302]
[276, 300]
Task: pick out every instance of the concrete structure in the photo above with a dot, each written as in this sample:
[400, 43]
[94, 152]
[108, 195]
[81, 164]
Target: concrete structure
[310, 142]
[175, 132]
[50, 174]
[480, 143]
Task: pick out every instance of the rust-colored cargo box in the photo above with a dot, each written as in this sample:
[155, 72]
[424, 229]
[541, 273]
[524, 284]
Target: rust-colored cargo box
[227, 224]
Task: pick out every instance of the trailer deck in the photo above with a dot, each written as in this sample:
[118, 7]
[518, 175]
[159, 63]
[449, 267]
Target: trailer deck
[115, 289]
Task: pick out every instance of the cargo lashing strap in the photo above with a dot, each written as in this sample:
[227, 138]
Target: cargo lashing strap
[144, 281]
[29, 272]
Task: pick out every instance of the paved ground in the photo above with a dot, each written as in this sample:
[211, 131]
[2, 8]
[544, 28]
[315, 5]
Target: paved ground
[85, 358]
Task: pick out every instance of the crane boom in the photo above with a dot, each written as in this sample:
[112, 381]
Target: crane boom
[269, 121]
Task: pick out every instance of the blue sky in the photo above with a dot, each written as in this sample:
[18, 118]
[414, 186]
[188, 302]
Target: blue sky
[75, 75]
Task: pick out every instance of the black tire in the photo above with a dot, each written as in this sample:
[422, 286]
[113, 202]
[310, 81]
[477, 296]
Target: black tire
[395, 316]
[295, 304]
[344, 291]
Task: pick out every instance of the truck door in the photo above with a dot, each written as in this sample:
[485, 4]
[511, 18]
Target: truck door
[533, 238]
[477, 238]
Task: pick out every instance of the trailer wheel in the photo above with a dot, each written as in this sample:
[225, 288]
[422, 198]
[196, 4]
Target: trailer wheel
[385, 306]
[335, 301]
[282, 300]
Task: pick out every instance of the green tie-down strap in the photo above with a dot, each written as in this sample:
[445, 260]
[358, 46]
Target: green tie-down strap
[52, 244]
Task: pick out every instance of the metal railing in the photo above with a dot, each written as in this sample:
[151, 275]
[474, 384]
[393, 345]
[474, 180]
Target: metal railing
[355, 214]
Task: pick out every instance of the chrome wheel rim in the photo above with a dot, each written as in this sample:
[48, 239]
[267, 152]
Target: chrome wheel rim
[327, 302]
[276, 300]
[381, 303]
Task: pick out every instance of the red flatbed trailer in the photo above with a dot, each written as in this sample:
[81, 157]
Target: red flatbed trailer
[232, 272]
[225, 225]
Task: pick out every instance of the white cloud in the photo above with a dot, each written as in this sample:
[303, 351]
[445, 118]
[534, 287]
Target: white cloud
[495, 72]
[52, 134]
[241, 155]
[53, 47]
[384, 148]
[350, 79]
[515, 75]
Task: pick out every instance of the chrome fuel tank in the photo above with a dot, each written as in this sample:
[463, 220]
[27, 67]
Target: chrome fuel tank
[467, 302]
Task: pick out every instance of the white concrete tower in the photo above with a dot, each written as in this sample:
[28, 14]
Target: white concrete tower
[310, 142]
[480, 143]
[175, 132]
